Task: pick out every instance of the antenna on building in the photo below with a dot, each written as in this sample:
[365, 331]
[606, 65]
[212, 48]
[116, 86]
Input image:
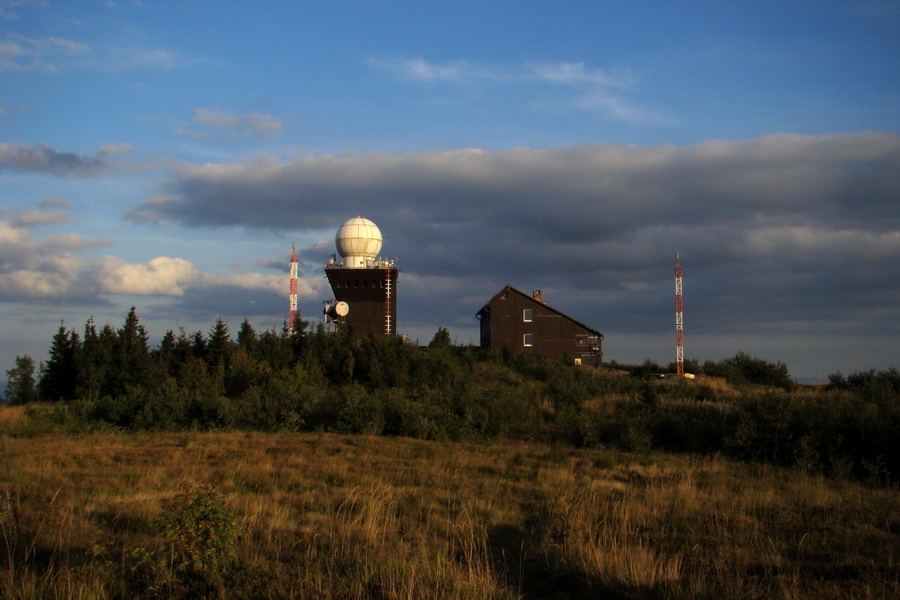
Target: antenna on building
[292, 312]
[679, 321]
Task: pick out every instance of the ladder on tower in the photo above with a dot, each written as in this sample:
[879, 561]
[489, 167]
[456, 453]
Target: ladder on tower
[387, 302]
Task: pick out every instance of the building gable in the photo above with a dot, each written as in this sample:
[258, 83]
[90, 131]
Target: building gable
[521, 323]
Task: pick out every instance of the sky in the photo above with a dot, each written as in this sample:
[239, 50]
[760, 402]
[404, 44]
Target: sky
[166, 155]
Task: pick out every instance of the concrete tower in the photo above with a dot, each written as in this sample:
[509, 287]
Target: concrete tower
[363, 283]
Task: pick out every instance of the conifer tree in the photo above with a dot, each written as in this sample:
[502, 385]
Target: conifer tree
[20, 381]
[246, 338]
[131, 364]
[275, 349]
[60, 376]
[165, 354]
[95, 359]
[218, 348]
[198, 345]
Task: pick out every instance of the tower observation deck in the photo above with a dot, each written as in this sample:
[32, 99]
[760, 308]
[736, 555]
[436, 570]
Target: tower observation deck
[364, 281]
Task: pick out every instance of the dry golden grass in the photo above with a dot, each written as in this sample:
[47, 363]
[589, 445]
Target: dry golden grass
[11, 415]
[330, 516]
[719, 385]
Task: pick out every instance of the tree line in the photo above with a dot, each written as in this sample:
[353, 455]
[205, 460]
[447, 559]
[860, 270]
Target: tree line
[310, 378]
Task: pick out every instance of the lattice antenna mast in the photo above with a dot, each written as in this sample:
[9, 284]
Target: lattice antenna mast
[295, 267]
[679, 321]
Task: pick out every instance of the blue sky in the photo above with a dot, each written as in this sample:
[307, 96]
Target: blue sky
[165, 155]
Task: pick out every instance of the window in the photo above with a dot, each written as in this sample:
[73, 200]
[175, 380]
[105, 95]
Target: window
[593, 340]
[528, 339]
[581, 340]
[528, 315]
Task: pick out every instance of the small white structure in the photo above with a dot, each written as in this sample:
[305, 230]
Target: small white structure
[358, 242]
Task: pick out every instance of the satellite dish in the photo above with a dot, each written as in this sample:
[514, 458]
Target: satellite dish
[335, 311]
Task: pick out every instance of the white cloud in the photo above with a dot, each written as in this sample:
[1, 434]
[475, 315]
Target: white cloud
[38, 283]
[591, 87]
[36, 269]
[418, 69]
[575, 73]
[41, 217]
[49, 270]
[160, 276]
[21, 53]
[230, 125]
[196, 291]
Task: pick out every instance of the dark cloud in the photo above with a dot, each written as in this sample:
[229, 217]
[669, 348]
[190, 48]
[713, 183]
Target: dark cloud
[44, 159]
[228, 301]
[781, 233]
[274, 265]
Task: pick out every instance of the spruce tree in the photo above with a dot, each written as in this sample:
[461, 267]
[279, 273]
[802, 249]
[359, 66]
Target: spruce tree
[198, 345]
[61, 372]
[165, 354]
[131, 363]
[218, 349]
[246, 338]
[94, 363]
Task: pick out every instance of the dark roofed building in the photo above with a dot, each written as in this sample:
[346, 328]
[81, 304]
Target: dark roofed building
[522, 323]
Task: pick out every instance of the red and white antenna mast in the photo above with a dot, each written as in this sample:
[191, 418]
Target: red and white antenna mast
[679, 321]
[295, 264]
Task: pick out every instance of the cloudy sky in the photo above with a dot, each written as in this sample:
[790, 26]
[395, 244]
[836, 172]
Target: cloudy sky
[165, 155]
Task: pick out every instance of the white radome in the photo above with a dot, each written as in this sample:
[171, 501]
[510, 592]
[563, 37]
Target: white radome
[358, 241]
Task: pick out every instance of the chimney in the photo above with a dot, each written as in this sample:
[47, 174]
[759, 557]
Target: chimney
[538, 295]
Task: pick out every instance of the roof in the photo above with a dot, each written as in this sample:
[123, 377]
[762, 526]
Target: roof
[509, 288]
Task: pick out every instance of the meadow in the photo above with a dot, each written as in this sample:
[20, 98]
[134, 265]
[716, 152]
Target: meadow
[311, 464]
[325, 515]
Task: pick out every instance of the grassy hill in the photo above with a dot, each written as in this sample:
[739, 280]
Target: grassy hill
[319, 515]
[309, 464]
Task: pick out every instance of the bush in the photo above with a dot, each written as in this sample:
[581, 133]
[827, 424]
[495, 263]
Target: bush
[201, 531]
[408, 417]
[357, 412]
[832, 434]
[743, 369]
[869, 384]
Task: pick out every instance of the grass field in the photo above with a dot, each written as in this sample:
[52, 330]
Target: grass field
[332, 516]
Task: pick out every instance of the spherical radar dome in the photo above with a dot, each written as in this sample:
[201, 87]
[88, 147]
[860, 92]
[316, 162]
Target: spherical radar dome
[358, 240]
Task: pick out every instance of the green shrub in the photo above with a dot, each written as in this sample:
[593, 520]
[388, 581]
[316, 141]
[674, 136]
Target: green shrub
[356, 411]
[409, 417]
[744, 369]
[201, 532]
